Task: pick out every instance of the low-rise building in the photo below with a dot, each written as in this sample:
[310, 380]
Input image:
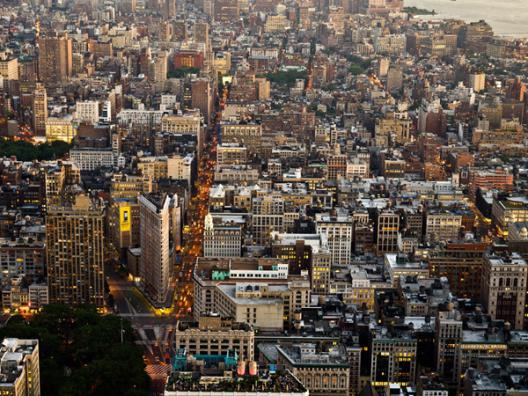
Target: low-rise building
[422, 297]
[18, 296]
[322, 373]
[237, 383]
[20, 368]
[260, 305]
[22, 256]
[221, 240]
[497, 377]
[220, 286]
[509, 210]
[214, 335]
[398, 265]
[90, 159]
[60, 129]
[442, 226]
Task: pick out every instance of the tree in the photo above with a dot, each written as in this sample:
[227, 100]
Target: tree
[287, 77]
[182, 72]
[25, 151]
[356, 69]
[81, 352]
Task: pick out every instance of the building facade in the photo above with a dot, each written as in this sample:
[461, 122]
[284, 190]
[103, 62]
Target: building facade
[221, 240]
[155, 262]
[75, 253]
[20, 369]
[504, 287]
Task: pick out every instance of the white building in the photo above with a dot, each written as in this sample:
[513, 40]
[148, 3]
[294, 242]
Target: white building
[339, 232]
[279, 271]
[38, 295]
[106, 112]
[221, 240]
[180, 167]
[187, 123]
[141, 117]
[87, 111]
[357, 168]
[442, 226]
[89, 159]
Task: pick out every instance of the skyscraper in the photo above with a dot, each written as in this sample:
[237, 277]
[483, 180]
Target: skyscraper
[75, 253]
[202, 97]
[449, 336]
[8, 67]
[154, 236]
[388, 226]
[477, 81]
[55, 59]
[503, 288]
[394, 79]
[170, 8]
[40, 110]
[158, 68]
[201, 32]
[516, 89]
[27, 73]
[338, 230]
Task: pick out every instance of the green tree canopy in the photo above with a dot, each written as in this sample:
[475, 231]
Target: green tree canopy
[81, 353]
[25, 151]
[356, 69]
[287, 77]
[182, 72]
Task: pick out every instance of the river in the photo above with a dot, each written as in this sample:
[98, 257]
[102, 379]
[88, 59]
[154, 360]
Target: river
[507, 17]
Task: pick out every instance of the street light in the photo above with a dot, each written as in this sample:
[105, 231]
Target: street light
[122, 331]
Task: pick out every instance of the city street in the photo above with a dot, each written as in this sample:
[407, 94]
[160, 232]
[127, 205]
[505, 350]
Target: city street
[154, 328]
[193, 233]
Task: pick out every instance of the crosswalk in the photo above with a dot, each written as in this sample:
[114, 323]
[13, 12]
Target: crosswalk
[157, 370]
[159, 342]
[137, 315]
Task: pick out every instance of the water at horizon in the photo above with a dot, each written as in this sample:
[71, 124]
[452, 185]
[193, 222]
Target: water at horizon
[507, 17]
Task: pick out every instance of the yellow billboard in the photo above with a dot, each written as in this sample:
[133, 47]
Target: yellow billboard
[124, 218]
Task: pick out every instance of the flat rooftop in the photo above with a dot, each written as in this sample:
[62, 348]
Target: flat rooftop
[12, 354]
[224, 325]
[315, 241]
[297, 357]
[401, 261]
[263, 382]
[506, 259]
[21, 243]
[514, 203]
[231, 292]
[206, 266]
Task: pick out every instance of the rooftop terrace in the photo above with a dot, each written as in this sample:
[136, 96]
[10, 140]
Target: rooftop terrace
[280, 382]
